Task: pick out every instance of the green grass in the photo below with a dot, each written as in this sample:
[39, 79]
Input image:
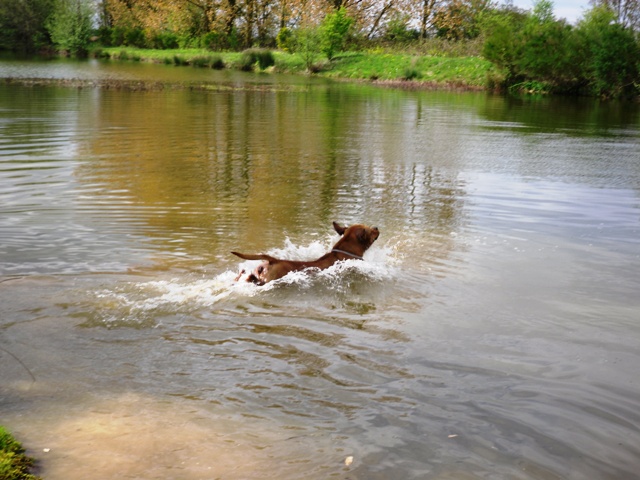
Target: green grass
[14, 464]
[461, 71]
[471, 71]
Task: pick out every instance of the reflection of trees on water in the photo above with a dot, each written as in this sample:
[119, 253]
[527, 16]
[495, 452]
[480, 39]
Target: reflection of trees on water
[245, 167]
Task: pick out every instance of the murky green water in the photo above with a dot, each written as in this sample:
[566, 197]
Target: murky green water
[493, 331]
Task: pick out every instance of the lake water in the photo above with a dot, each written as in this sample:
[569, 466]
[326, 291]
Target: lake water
[492, 332]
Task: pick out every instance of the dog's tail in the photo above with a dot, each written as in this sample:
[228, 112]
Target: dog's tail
[260, 256]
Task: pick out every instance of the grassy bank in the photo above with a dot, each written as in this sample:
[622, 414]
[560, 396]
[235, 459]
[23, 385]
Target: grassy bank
[14, 464]
[398, 69]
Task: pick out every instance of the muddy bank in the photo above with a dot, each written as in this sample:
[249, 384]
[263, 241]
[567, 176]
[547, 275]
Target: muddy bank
[152, 85]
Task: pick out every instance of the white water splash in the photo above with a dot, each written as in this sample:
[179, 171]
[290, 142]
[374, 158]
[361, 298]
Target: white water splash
[140, 300]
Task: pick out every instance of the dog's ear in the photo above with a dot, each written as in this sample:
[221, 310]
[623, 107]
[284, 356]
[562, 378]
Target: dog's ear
[339, 228]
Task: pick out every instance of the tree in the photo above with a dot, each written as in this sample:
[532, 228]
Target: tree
[427, 9]
[626, 12]
[546, 53]
[307, 45]
[70, 26]
[22, 24]
[611, 54]
[333, 32]
[458, 19]
[532, 46]
[503, 30]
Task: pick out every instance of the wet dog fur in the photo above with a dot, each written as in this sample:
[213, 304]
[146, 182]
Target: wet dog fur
[354, 241]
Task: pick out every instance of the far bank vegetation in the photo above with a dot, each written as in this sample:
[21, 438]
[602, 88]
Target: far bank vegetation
[529, 51]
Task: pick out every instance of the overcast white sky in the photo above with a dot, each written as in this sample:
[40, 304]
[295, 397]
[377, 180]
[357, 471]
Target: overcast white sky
[572, 10]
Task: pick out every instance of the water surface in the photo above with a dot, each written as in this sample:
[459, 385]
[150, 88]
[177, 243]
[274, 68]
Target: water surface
[491, 332]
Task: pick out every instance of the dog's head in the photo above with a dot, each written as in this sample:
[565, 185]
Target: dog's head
[356, 238]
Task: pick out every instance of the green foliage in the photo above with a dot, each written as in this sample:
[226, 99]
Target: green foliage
[545, 54]
[180, 61]
[128, 37]
[398, 30]
[218, 41]
[530, 87]
[535, 49]
[14, 464]
[504, 40]
[610, 53]
[262, 57]
[307, 45]
[214, 41]
[334, 31]
[70, 26]
[208, 61]
[411, 73]
[285, 40]
[22, 24]
[164, 40]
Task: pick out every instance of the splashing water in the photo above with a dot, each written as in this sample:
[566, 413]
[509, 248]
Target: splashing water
[142, 301]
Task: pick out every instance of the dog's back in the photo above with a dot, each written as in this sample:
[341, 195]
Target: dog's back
[354, 241]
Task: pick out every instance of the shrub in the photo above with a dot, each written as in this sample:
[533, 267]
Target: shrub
[70, 27]
[411, 73]
[217, 63]
[611, 54]
[23, 24]
[122, 55]
[164, 40]
[117, 36]
[334, 31]
[179, 61]
[307, 45]
[532, 47]
[210, 61]
[217, 41]
[285, 40]
[134, 37]
[104, 36]
[399, 31]
[213, 41]
[263, 57]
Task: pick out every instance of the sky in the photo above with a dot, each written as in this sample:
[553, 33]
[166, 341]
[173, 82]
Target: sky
[572, 10]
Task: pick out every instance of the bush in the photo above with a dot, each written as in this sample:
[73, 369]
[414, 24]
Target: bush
[334, 31]
[398, 30]
[541, 54]
[179, 61]
[70, 27]
[211, 61]
[104, 36]
[285, 40]
[411, 73]
[217, 41]
[307, 44]
[611, 52]
[532, 47]
[263, 57]
[213, 41]
[134, 37]
[117, 37]
[22, 24]
[164, 40]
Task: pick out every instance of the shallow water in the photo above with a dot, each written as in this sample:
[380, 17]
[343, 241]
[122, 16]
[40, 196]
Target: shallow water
[491, 332]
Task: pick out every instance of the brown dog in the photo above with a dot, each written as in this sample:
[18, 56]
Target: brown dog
[355, 240]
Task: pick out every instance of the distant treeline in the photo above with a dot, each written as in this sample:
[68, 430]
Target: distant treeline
[536, 52]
